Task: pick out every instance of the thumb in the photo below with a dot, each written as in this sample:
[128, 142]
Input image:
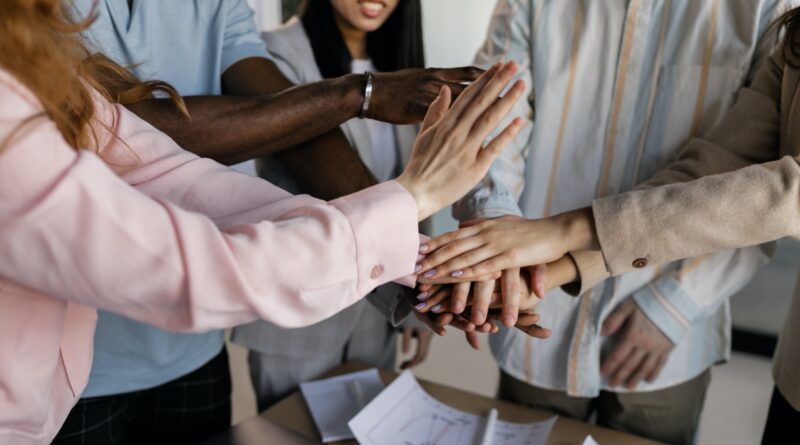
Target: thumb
[616, 319]
[437, 108]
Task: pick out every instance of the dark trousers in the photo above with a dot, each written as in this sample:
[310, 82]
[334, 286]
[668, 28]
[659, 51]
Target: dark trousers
[184, 411]
[782, 421]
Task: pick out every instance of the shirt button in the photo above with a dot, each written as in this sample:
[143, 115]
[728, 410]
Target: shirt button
[640, 263]
[376, 273]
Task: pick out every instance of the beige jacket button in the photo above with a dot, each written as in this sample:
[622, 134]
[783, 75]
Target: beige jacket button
[640, 263]
[376, 273]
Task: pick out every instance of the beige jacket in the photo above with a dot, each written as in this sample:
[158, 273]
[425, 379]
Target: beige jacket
[744, 191]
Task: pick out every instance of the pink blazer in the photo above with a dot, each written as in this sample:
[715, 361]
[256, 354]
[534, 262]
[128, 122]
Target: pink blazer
[162, 236]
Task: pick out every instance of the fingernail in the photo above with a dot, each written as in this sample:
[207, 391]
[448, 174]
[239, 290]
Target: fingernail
[423, 296]
[508, 321]
[457, 273]
[423, 248]
[437, 308]
[417, 268]
[430, 273]
[541, 288]
[420, 306]
[458, 307]
[478, 317]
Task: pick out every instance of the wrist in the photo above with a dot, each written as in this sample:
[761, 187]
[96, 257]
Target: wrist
[424, 207]
[354, 86]
[579, 230]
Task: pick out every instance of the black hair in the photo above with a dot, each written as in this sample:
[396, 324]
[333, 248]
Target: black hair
[790, 22]
[394, 46]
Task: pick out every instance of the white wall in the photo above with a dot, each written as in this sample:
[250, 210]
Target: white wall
[454, 30]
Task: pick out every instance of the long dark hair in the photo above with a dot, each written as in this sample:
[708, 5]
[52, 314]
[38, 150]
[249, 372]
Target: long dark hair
[394, 46]
[790, 22]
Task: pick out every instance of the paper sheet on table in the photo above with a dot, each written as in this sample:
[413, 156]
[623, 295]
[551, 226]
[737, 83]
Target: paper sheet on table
[404, 414]
[590, 441]
[336, 400]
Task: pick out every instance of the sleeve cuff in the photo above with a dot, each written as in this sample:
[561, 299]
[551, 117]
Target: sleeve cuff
[384, 223]
[476, 205]
[618, 237]
[668, 306]
[591, 271]
[232, 56]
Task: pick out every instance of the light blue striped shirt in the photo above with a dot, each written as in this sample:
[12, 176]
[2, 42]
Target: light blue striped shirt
[618, 87]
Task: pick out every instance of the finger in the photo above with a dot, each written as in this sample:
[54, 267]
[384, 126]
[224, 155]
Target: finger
[462, 74]
[509, 283]
[445, 319]
[487, 96]
[472, 252]
[424, 287]
[491, 151]
[477, 263]
[496, 112]
[654, 373]
[616, 319]
[434, 302]
[628, 366]
[456, 89]
[473, 90]
[617, 357]
[428, 267]
[463, 324]
[646, 367]
[426, 290]
[473, 340]
[539, 280]
[408, 334]
[481, 297]
[458, 301]
[437, 109]
[436, 243]
[429, 322]
[451, 280]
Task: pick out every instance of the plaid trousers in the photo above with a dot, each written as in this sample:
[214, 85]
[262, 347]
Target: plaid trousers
[184, 411]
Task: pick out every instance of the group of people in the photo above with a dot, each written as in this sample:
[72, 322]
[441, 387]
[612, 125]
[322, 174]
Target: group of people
[631, 159]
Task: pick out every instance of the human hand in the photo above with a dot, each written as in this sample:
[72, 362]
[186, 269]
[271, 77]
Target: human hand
[449, 156]
[403, 97]
[641, 349]
[511, 294]
[506, 243]
[423, 337]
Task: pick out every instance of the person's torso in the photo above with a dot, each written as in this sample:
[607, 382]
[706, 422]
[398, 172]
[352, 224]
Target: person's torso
[291, 51]
[619, 88]
[179, 42]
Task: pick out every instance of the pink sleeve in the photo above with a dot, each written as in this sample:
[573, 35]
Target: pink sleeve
[75, 230]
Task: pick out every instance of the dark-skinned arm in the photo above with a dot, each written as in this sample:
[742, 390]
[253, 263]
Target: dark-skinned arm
[262, 113]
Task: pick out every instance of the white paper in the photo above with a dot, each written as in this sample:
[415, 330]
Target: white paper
[590, 441]
[336, 400]
[404, 414]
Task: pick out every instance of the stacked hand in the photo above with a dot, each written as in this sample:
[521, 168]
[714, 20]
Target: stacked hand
[510, 296]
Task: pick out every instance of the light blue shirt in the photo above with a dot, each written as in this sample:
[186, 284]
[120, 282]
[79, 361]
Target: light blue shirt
[189, 44]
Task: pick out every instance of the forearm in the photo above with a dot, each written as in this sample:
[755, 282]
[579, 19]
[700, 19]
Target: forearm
[232, 129]
[327, 167]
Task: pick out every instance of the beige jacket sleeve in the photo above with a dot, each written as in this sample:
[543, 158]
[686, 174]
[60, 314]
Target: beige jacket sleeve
[745, 194]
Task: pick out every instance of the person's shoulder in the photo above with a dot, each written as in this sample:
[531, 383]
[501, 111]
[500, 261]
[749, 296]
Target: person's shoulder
[15, 97]
[290, 33]
[290, 44]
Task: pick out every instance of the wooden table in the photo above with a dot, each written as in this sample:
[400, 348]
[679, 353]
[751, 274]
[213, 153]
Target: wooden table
[292, 413]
